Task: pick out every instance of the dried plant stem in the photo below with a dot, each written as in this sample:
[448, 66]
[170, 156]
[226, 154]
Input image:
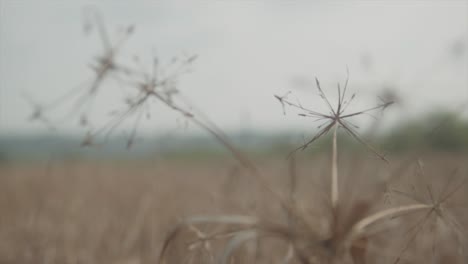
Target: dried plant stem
[334, 170]
[360, 227]
[221, 138]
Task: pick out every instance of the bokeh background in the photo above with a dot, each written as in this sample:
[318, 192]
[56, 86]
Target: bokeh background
[61, 202]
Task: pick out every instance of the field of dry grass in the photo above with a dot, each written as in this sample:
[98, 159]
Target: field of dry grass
[122, 212]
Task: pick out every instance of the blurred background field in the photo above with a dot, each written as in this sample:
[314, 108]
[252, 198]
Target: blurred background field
[120, 211]
[63, 203]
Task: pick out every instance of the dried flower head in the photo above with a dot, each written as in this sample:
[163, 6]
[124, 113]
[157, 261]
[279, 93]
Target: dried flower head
[336, 116]
[141, 86]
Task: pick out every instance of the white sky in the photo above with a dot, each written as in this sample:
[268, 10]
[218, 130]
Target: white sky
[248, 51]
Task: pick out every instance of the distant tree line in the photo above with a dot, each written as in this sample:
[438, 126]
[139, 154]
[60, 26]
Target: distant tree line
[440, 131]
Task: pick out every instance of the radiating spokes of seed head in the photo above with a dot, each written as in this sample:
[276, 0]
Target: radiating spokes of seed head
[337, 115]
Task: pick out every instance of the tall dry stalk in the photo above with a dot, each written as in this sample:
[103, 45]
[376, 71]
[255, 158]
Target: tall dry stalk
[334, 170]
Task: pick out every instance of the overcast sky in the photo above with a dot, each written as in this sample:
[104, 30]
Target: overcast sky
[247, 52]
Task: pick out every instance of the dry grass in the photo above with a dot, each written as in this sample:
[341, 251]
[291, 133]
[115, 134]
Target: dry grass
[121, 213]
[97, 213]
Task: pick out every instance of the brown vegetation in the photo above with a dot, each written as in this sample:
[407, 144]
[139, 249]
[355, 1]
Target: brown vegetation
[84, 212]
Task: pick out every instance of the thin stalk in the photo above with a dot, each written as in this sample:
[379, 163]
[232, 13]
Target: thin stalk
[360, 227]
[334, 170]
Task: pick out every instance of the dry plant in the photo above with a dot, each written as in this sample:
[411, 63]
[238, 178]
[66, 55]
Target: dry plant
[159, 84]
[235, 238]
[350, 226]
